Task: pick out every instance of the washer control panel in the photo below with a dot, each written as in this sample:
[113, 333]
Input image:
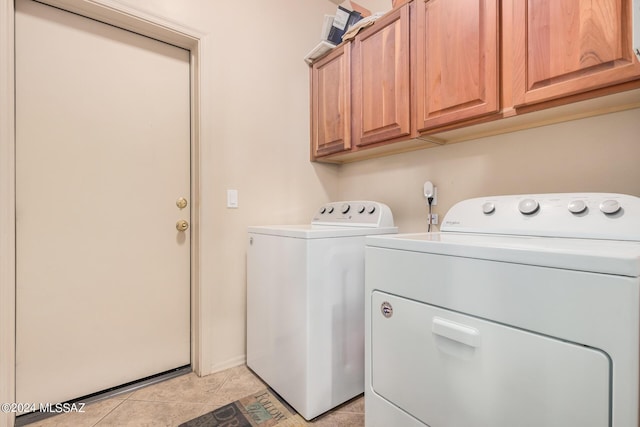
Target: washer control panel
[354, 214]
[580, 215]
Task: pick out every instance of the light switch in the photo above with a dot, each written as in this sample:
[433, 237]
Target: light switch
[232, 198]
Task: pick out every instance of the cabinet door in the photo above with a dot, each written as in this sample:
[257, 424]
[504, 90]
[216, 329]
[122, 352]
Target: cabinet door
[331, 102]
[457, 61]
[565, 47]
[381, 80]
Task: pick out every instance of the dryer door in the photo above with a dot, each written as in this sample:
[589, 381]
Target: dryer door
[450, 370]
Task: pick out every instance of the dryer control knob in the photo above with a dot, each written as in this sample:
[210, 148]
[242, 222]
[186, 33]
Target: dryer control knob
[323, 210]
[610, 207]
[371, 209]
[577, 206]
[330, 209]
[488, 208]
[345, 208]
[361, 209]
[528, 206]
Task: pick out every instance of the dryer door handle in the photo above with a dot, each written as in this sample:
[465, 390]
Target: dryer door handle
[456, 331]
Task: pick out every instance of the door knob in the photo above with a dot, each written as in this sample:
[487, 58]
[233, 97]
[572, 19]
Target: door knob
[182, 225]
[181, 203]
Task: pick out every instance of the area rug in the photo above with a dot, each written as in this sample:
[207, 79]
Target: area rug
[263, 409]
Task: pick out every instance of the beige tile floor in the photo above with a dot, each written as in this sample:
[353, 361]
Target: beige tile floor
[180, 399]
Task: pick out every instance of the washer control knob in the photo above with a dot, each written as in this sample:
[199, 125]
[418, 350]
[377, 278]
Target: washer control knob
[323, 210]
[528, 206]
[371, 209]
[610, 207]
[488, 208]
[360, 209]
[577, 206]
[345, 208]
[330, 209]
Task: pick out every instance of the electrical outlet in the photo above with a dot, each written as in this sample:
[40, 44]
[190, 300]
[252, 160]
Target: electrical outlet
[435, 196]
[434, 219]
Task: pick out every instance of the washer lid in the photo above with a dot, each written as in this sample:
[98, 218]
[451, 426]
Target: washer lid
[309, 231]
[598, 256]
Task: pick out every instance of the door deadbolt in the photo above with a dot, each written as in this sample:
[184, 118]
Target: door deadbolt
[181, 203]
[182, 225]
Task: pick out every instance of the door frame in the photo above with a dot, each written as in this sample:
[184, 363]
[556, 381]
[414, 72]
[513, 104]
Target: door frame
[128, 18]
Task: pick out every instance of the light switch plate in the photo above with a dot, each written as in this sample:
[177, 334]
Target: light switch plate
[232, 198]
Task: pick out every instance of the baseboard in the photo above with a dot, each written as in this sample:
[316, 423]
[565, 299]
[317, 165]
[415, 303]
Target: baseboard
[230, 363]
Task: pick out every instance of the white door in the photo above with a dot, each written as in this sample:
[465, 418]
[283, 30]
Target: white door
[103, 153]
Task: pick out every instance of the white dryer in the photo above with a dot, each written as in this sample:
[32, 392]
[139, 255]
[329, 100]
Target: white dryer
[523, 311]
[305, 304]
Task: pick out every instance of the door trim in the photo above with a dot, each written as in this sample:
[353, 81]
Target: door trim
[143, 23]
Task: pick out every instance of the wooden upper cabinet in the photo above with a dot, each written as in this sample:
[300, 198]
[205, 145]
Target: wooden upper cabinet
[566, 47]
[456, 61]
[331, 102]
[432, 67]
[381, 80]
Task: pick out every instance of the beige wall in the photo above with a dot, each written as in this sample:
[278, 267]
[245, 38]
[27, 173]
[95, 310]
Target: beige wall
[259, 145]
[372, 5]
[596, 154]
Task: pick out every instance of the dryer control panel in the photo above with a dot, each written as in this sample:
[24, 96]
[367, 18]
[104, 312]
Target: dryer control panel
[354, 214]
[608, 216]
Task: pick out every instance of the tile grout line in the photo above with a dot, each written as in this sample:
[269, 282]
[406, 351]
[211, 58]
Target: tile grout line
[109, 412]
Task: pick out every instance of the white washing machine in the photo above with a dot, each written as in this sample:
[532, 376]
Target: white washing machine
[523, 311]
[305, 304]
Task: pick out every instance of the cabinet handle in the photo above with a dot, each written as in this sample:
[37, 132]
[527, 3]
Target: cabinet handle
[456, 331]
